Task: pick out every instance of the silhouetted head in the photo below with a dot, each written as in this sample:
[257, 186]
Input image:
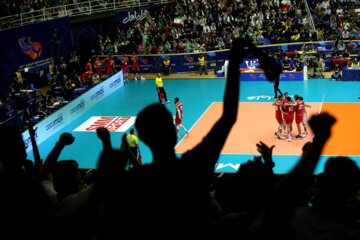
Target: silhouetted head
[13, 151]
[301, 98]
[156, 128]
[132, 131]
[280, 97]
[339, 182]
[286, 95]
[66, 178]
[289, 99]
[176, 100]
[296, 97]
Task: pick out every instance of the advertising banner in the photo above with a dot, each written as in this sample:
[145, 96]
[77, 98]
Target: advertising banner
[74, 109]
[30, 47]
[260, 76]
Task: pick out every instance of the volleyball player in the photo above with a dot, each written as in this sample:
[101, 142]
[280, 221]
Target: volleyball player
[304, 120]
[135, 66]
[278, 116]
[125, 63]
[179, 116]
[300, 105]
[97, 66]
[110, 65]
[289, 116]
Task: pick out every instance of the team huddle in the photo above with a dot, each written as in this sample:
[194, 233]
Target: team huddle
[285, 112]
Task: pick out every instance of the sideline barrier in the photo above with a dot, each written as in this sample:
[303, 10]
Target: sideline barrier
[59, 119]
[260, 76]
[188, 62]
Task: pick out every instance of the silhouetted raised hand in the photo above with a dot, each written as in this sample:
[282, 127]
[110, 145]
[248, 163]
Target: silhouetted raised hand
[266, 152]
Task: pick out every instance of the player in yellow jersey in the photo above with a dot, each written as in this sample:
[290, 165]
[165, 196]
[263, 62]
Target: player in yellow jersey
[166, 66]
[160, 89]
[133, 143]
[202, 64]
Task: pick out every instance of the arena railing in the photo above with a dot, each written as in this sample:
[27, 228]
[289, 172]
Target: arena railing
[72, 10]
[311, 22]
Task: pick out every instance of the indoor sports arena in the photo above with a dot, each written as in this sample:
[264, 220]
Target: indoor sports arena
[220, 112]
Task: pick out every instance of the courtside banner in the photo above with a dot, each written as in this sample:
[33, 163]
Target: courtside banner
[260, 76]
[29, 47]
[113, 124]
[59, 119]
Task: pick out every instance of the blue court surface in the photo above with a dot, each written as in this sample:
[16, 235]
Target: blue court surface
[196, 96]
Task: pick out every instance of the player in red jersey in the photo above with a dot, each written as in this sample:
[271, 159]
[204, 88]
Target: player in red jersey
[286, 95]
[88, 66]
[289, 115]
[86, 76]
[97, 66]
[179, 116]
[125, 65]
[135, 66]
[110, 65]
[279, 116]
[301, 116]
[300, 105]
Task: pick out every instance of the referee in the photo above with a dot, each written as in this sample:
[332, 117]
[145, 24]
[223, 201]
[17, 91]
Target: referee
[132, 140]
[160, 88]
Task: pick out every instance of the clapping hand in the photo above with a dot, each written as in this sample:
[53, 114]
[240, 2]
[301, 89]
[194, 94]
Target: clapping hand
[266, 152]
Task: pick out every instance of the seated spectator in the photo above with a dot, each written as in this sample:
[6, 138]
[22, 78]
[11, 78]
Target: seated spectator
[95, 79]
[345, 54]
[341, 45]
[297, 64]
[334, 54]
[286, 64]
[336, 76]
[352, 46]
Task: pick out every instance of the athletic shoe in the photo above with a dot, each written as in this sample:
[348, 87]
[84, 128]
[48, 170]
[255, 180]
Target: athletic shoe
[142, 78]
[297, 136]
[289, 139]
[135, 78]
[167, 101]
[277, 134]
[281, 137]
[285, 134]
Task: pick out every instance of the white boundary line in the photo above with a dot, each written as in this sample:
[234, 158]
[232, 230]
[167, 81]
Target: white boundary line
[196, 122]
[322, 101]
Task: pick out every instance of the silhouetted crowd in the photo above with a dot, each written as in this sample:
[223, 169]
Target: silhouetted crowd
[168, 193]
